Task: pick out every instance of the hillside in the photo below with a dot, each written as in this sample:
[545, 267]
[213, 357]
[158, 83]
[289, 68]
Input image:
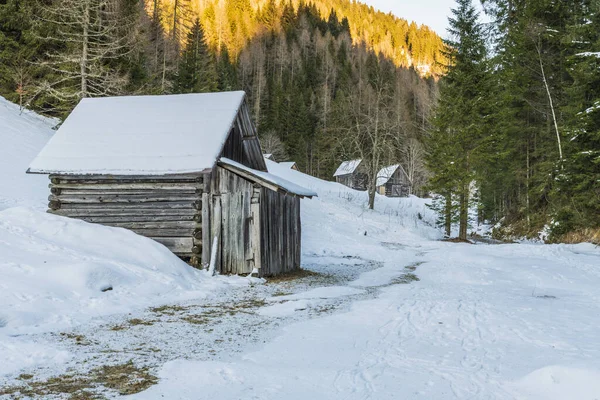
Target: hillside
[231, 24]
[22, 136]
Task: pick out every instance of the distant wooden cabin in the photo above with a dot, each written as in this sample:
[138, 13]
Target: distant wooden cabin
[392, 181]
[184, 170]
[269, 156]
[352, 174]
[290, 165]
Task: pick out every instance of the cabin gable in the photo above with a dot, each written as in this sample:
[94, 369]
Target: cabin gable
[242, 144]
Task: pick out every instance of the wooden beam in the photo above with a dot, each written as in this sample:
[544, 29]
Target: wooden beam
[106, 198]
[158, 186]
[172, 205]
[178, 245]
[130, 212]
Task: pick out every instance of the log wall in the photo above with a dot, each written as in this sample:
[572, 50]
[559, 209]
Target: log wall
[166, 208]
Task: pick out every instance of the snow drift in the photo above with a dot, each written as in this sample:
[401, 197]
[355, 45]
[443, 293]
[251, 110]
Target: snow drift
[22, 134]
[56, 272]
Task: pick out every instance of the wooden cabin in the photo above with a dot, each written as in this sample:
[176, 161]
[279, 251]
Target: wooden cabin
[352, 174]
[269, 156]
[184, 170]
[393, 181]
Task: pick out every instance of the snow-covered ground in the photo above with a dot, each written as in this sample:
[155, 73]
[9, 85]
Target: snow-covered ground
[22, 136]
[388, 312]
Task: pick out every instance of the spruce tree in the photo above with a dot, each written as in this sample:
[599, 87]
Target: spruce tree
[196, 72]
[579, 184]
[458, 120]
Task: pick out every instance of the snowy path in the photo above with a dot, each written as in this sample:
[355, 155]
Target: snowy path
[426, 320]
[484, 322]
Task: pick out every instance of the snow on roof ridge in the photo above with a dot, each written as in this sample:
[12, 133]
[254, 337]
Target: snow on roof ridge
[386, 173]
[272, 178]
[347, 167]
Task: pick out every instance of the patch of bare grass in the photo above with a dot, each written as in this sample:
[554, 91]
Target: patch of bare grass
[77, 338]
[292, 276]
[124, 379]
[457, 240]
[168, 309]
[139, 321]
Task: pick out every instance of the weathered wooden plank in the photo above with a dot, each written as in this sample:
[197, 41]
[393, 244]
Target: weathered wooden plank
[255, 230]
[178, 245]
[184, 225]
[216, 231]
[206, 229]
[225, 234]
[121, 199]
[123, 185]
[174, 214]
[123, 193]
[162, 232]
[107, 219]
[100, 178]
[172, 205]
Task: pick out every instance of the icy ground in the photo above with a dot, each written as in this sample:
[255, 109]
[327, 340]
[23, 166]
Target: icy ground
[386, 311]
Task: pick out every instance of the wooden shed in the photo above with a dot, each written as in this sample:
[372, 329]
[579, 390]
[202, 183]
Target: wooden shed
[393, 181]
[352, 174]
[184, 170]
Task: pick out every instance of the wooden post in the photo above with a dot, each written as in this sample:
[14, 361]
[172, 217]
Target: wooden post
[216, 231]
[206, 229]
[255, 228]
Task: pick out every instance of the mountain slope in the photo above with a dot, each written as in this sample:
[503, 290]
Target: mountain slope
[232, 23]
[22, 136]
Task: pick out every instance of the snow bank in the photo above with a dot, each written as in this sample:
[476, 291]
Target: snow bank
[56, 272]
[22, 136]
[560, 383]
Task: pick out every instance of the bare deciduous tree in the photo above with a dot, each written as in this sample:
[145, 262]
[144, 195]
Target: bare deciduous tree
[272, 144]
[88, 33]
[373, 130]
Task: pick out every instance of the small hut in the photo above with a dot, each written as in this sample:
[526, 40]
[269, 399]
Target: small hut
[184, 170]
[352, 174]
[393, 181]
[269, 156]
[290, 165]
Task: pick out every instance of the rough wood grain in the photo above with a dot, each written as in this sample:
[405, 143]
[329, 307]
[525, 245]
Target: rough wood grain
[150, 198]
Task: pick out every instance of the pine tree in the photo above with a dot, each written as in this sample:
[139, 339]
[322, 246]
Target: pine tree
[458, 120]
[196, 73]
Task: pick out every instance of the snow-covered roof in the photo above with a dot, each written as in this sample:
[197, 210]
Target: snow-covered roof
[268, 179]
[134, 135]
[268, 156]
[347, 167]
[385, 174]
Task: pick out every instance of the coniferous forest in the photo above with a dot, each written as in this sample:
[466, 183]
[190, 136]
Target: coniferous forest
[502, 118]
[516, 132]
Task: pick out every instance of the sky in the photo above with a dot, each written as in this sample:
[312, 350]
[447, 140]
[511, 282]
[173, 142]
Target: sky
[433, 13]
